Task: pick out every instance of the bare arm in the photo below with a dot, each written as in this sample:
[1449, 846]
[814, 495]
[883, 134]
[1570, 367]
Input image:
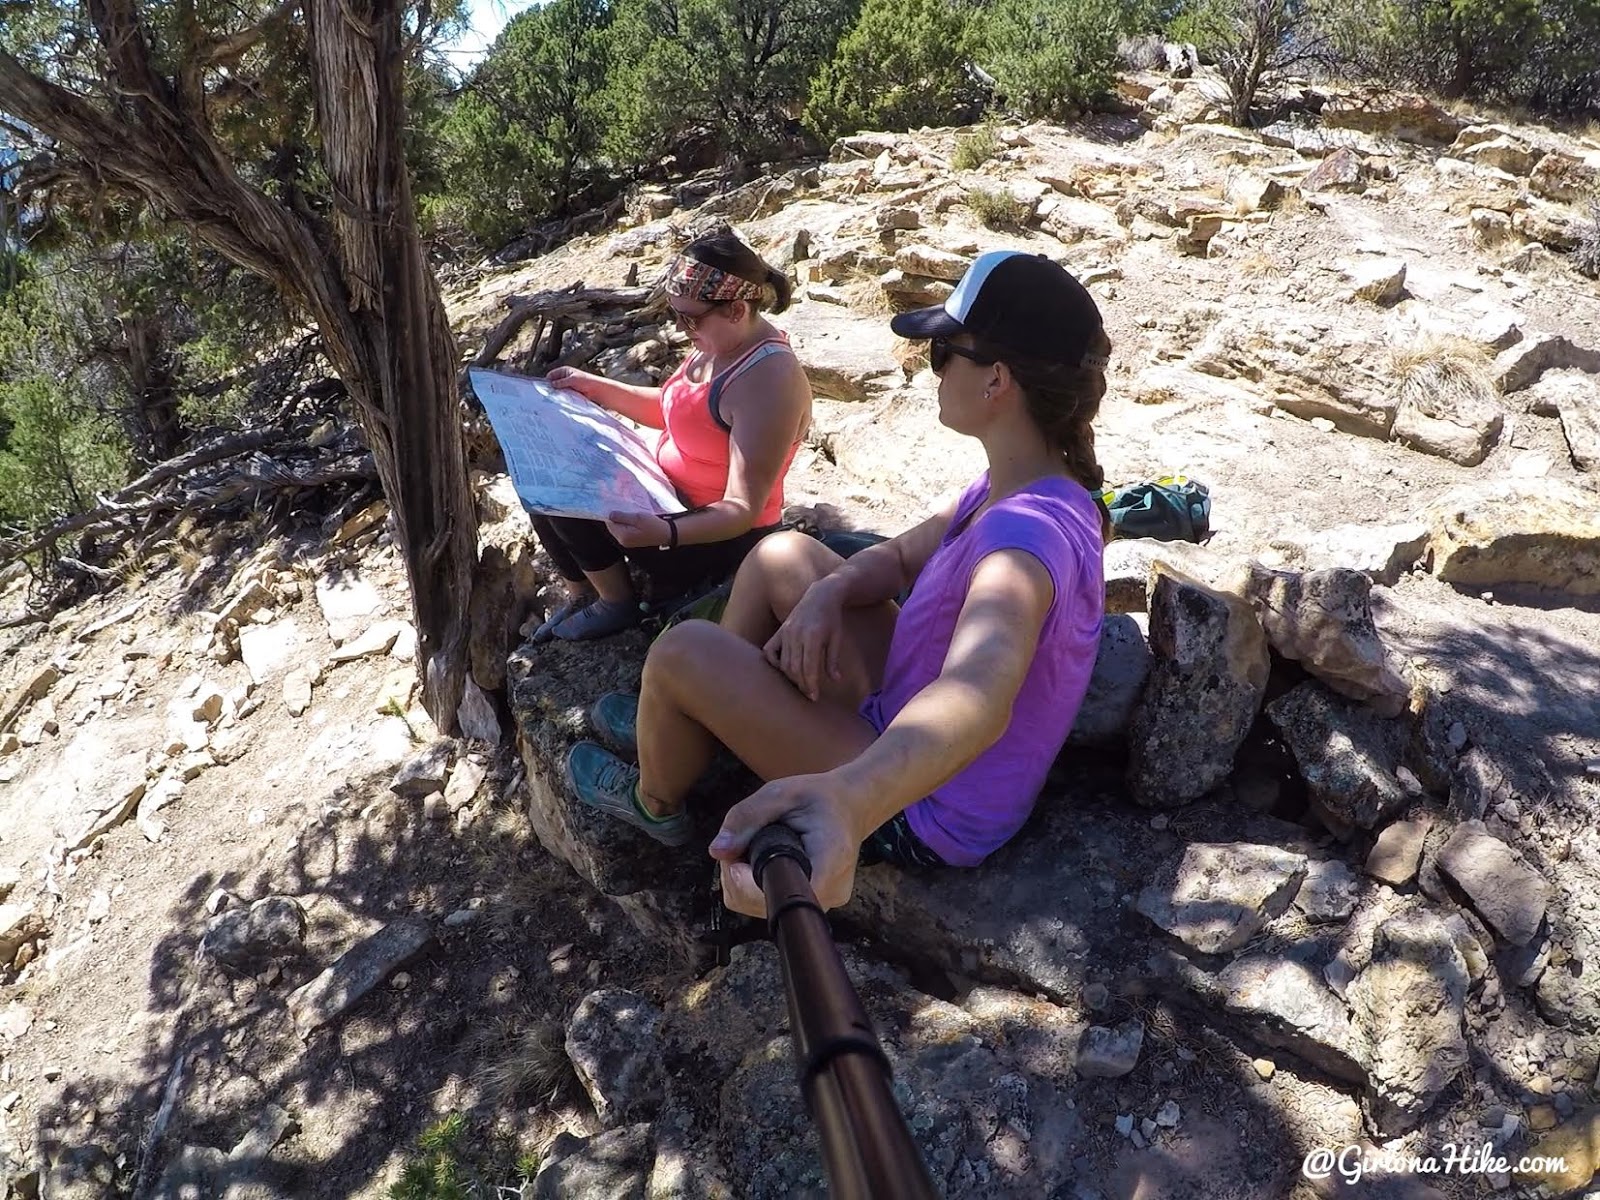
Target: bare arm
[763, 407]
[639, 404]
[941, 730]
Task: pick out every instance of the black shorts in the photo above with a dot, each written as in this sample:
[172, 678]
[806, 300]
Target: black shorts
[896, 842]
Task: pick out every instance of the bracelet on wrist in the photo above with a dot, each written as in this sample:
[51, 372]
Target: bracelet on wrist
[672, 532]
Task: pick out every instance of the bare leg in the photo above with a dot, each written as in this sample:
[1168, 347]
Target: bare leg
[612, 585]
[704, 684]
[769, 584]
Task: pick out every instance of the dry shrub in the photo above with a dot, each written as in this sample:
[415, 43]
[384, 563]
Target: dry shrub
[975, 148]
[998, 209]
[1587, 255]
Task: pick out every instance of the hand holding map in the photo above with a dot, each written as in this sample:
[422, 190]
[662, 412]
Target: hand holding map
[568, 456]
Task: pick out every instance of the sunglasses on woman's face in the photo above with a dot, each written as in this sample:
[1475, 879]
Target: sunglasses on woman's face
[689, 322]
[940, 350]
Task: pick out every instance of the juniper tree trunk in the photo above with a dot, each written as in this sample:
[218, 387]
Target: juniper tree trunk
[362, 277]
[401, 354]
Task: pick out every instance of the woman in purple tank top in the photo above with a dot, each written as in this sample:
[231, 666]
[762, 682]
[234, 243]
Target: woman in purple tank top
[916, 734]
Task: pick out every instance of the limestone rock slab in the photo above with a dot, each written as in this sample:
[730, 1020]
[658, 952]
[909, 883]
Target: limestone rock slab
[1217, 897]
[1508, 893]
[1407, 1005]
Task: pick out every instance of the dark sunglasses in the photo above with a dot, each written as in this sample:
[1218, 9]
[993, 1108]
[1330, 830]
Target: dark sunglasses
[688, 323]
[940, 350]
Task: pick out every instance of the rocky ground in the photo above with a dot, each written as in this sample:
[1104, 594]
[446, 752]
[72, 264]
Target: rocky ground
[1319, 867]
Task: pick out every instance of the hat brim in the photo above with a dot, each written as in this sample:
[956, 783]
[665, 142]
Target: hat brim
[925, 323]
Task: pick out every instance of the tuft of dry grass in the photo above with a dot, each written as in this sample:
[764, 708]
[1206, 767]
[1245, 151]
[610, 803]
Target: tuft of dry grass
[1260, 266]
[998, 208]
[522, 1061]
[867, 296]
[1443, 374]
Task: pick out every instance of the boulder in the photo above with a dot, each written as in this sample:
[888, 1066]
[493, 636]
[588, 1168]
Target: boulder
[348, 603]
[1162, 384]
[265, 648]
[1575, 1144]
[1524, 363]
[1323, 620]
[609, 1166]
[1383, 553]
[247, 940]
[297, 692]
[1198, 230]
[1308, 368]
[1400, 115]
[1449, 403]
[19, 926]
[844, 358]
[1251, 191]
[1566, 177]
[1504, 153]
[1207, 679]
[1340, 171]
[1129, 569]
[1501, 887]
[1407, 1007]
[1283, 1003]
[1394, 856]
[1380, 280]
[1120, 670]
[1508, 533]
[1568, 994]
[913, 291]
[931, 262]
[370, 642]
[1347, 754]
[612, 1043]
[1574, 397]
[503, 590]
[425, 772]
[1215, 898]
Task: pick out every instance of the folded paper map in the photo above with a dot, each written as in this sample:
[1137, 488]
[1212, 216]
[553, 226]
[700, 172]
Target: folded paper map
[568, 456]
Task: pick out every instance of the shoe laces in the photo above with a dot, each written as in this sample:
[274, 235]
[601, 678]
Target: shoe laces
[615, 776]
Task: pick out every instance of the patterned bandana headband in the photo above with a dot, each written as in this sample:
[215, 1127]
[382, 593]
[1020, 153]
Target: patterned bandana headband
[697, 280]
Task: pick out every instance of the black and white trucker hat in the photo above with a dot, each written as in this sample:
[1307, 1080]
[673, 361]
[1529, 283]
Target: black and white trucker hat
[1015, 301]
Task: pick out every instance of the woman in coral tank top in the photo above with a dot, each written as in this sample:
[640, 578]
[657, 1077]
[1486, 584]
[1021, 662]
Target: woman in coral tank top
[731, 418]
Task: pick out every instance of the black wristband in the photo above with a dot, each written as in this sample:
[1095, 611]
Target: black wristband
[672, 532]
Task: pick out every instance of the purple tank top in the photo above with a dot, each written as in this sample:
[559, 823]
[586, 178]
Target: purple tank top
[1055, 520]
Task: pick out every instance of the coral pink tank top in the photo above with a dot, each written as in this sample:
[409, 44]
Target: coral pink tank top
[694, 450]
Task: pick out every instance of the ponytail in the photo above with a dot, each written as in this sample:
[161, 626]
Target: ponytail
[782, 289]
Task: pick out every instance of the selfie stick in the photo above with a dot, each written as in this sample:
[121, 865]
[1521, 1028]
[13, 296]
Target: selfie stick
[867, 1150]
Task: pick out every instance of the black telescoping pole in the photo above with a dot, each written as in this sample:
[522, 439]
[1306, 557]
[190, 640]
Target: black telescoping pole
[867, 1150]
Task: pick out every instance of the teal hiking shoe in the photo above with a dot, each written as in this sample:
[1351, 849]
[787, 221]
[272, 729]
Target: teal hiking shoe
[615, 717]
[602, 780]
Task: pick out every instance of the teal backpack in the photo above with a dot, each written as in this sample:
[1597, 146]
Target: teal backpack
[1173, 508]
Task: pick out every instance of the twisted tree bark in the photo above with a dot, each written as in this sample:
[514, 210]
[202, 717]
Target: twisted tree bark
[363, 278]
